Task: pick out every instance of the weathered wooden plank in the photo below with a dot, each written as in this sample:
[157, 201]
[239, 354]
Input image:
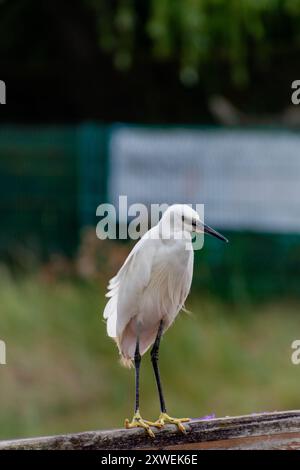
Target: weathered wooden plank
[278, 430]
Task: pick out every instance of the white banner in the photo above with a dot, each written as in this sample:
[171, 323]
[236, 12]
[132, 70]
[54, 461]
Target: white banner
[247, 179]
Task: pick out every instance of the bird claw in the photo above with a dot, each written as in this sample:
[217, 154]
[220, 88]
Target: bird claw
[164, 418]
[155, 424]
[139, 422]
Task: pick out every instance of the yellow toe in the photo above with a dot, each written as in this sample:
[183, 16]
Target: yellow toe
[164, 418]
[155, 424]
[139, 422]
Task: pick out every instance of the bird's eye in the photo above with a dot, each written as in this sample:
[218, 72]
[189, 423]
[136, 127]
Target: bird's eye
[194, 223]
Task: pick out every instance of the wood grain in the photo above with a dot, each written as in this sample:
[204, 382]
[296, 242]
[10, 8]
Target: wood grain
[278, 430]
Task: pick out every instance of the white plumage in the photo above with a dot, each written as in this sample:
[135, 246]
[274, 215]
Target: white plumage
[153, 283]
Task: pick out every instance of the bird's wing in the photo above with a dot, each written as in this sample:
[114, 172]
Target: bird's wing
[173, 282]
[187, 281]
[125, 289]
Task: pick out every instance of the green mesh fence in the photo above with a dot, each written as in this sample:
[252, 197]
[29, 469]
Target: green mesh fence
[38, 188]
[53, 178]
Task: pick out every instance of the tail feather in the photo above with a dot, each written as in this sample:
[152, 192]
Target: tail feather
[110, 308]
[126, 362]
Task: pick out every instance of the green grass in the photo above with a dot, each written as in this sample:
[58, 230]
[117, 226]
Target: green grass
[63, 374]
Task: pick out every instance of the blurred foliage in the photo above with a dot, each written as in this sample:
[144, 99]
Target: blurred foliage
[198, 31]
[233, 48]
[62, 373]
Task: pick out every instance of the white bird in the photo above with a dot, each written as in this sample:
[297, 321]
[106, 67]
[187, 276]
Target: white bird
[149, 291]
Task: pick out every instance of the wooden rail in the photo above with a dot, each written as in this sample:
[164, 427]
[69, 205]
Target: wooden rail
[278, 430]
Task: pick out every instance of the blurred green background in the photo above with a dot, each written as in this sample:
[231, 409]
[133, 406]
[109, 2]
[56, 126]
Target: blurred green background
[72, 70]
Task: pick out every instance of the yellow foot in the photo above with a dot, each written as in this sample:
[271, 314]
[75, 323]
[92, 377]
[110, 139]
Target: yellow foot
[165, 419]
[139, 422]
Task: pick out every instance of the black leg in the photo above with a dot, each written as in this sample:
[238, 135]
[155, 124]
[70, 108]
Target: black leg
[137, 363]
[137, 420]
[154, 360]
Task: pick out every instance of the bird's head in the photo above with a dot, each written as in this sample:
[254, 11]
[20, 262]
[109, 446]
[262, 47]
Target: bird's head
[182, 218]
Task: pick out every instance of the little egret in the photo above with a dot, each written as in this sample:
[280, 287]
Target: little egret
[147, 294]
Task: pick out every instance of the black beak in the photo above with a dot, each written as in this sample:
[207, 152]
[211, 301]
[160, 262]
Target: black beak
[214, 233]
